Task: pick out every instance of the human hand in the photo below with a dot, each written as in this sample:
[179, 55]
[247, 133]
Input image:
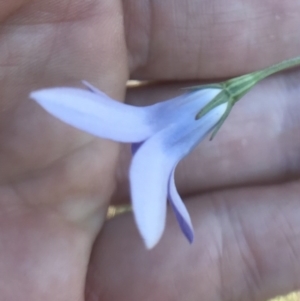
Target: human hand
[245, 222]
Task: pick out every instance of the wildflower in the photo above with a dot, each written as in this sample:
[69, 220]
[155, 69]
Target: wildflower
[161, 135]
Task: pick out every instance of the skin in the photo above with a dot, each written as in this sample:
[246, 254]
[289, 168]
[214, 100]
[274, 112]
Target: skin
[242, 189]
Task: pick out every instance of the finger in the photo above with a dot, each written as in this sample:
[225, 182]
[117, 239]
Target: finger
[64, 44]
[8, 7]
[42, 257]
[46, 161]
[203, 39]
[258, 143]
[246, 247]
[59, 181]
[61, 49]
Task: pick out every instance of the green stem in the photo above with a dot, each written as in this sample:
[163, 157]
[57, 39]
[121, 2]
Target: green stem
[276, 68]
[239, 86]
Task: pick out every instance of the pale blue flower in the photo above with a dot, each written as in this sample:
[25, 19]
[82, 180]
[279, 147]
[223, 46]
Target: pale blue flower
[161, 134]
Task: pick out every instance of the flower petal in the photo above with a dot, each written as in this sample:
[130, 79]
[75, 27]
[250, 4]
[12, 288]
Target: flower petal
[92, 88]
[153, 164]
[172, 110]
[96, 113]
[135, 147]
[149, 173]
[180, 210]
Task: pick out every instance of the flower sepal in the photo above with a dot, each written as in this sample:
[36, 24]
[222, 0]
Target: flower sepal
[232, 91]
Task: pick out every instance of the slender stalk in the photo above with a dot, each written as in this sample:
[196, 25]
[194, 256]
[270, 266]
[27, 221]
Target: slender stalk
[239, 86]
[277, 68]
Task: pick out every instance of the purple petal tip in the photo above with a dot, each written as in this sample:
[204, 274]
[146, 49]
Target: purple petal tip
[184, 226]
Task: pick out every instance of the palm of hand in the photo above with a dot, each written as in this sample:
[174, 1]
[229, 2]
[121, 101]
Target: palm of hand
[54, 194]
